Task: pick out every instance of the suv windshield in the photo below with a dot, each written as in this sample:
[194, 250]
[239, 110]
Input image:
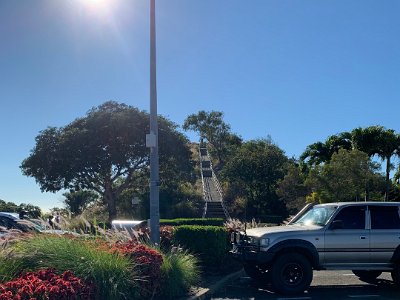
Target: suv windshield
[318, 215]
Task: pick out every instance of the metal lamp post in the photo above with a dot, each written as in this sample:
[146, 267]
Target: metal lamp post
[152, 138]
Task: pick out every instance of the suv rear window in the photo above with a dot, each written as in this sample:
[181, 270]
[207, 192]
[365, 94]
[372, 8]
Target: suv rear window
[385, 217]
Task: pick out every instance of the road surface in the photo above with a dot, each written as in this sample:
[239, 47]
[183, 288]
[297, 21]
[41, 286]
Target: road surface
[326, 285]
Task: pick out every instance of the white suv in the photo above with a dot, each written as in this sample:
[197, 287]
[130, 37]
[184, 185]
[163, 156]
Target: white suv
[360, 236]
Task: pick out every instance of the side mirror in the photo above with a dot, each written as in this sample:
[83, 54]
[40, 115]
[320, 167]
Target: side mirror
[336, 224]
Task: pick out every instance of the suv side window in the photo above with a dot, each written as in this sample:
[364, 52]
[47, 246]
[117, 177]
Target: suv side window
[385, 217]
[353, 217]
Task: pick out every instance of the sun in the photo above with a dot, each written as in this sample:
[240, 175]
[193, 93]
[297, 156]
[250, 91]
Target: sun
[96, 4]
[101, 9]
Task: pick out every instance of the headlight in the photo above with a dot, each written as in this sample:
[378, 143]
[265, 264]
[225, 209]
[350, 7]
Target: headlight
[235, 237]
[251, 240]
[264, 242]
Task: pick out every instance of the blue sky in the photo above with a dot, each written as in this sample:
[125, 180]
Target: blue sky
[298, 71]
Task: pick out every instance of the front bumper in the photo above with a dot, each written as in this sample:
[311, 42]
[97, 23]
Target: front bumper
[250, 254]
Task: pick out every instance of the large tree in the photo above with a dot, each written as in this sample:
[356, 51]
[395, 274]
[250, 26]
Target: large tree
[32, 211]
[253, 173]
[292, 188]
[343, 178]
[212, 127]
[104, 152]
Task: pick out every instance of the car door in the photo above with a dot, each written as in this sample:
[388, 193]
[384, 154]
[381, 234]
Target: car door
[347, 237]
[385, 232]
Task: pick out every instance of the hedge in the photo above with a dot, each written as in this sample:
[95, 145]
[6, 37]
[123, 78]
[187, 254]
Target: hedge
[209, 242]
[193, 221]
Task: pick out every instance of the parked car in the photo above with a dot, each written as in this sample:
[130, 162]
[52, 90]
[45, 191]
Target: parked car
[10, 220]
[360, 236]
[13, 221]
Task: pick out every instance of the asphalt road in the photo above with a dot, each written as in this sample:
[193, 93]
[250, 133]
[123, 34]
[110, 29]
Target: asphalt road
[326, 285]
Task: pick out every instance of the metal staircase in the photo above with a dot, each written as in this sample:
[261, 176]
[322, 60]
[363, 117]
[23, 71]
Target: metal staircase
[212, 193]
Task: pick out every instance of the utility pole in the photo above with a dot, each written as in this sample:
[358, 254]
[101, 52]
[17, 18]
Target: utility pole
[152, 138]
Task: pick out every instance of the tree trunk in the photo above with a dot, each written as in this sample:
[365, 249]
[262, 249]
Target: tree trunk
[366, 190]
[387, 178]
[110, 199]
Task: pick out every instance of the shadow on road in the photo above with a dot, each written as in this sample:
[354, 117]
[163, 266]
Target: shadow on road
[247, 289]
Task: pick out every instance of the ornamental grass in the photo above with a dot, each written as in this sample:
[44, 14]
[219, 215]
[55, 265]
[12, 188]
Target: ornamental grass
[113, 274]
[180, 271]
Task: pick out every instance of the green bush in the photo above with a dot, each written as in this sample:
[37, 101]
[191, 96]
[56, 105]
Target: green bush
[193, 221]
[209, 242]
[112, 274]
[179, 271]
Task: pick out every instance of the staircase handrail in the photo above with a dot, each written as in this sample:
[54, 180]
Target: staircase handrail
[218, 186]
[205, 194]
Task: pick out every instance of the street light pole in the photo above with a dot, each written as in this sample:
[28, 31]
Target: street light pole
[152, 140]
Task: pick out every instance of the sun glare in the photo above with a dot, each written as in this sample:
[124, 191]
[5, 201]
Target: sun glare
[99, 8]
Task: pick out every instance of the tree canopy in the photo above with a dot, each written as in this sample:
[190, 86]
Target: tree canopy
[102, 148]
[253, 173]
[212, 127]
[344, 178]
[31, 210]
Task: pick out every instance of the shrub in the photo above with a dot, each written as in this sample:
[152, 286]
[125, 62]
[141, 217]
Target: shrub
[112, 273]
[46, 284]
[149, 264]
[193, 221]
[179, 271]
[210, 242]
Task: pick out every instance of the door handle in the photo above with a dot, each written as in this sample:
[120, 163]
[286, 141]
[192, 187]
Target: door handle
[363, 237]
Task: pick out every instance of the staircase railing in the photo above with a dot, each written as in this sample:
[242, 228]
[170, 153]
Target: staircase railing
[206, 192]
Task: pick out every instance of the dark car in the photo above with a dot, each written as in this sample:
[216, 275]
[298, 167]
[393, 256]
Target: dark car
[14, 221]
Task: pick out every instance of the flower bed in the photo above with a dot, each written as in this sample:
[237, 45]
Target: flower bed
[46, 284]
[104, 267]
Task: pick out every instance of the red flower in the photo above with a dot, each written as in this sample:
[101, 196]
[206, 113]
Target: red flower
[46, 284]
[149, 263]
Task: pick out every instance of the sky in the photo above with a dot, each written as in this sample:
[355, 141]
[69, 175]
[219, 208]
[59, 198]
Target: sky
[295, 70]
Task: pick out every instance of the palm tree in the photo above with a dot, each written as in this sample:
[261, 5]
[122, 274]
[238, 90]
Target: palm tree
[377, 140]
[315, 154]
[388, 146]
[320, 152]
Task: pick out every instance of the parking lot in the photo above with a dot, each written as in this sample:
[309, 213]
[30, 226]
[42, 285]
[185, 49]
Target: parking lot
[326, 285]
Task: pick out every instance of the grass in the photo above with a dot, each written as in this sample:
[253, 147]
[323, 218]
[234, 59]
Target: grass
[180, 270]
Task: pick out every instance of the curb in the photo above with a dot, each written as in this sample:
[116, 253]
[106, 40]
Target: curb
[205, 293]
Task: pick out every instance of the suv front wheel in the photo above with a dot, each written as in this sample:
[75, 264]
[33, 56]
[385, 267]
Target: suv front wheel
[258, 273]
[396, 274]
[291, 273]
[367, 274]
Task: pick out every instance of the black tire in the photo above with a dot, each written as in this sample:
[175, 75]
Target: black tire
[291, 274]
[257, 273]
[396, 274]
[367, 274]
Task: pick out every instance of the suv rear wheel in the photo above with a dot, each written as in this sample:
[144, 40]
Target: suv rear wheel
[367, 274]
[291, 273]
